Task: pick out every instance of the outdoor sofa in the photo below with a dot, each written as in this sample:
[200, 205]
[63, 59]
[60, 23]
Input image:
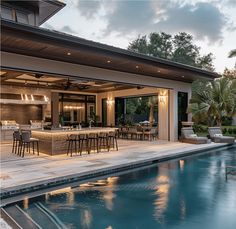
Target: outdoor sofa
[217, 136]
[188, 136]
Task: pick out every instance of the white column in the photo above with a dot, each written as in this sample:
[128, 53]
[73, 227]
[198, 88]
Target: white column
[173, 98]
[110, 109]
[163, 115]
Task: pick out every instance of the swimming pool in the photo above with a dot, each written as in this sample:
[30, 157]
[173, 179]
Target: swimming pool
[191, 192]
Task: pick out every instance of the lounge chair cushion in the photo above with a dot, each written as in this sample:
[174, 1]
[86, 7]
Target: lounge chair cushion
[218, 135]
[192, 135]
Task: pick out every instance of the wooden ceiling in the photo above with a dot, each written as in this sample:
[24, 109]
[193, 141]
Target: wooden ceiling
[33, 80]
[53, 45]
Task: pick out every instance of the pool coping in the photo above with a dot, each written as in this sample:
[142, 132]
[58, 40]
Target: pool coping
[9, 195]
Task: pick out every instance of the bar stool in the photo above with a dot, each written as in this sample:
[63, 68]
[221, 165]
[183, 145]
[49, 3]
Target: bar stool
[93, 142]
[112, 136]
[82, 140]
[26, 142]
[72, 142]
[16, 142]
[103, 141]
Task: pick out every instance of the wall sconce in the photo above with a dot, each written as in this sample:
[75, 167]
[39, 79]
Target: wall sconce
[110, 102]
[46, 99]
[162, 98]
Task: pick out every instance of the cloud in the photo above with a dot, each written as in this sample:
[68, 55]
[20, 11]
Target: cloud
[64, 29]
[48, 26]
[67, 29]
[89, 8]
[130, 16]
[203, 19]
[229, 3]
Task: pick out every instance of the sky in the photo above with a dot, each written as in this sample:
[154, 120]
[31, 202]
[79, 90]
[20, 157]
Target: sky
[212, 23]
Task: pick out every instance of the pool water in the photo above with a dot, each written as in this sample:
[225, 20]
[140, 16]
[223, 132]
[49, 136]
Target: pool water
[191, 193]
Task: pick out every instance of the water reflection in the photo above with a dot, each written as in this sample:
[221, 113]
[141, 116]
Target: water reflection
[182, 208]
[181, 164]
[86, 218]
[108, 193]
[70, 198]
[162, 192]
[26, 203]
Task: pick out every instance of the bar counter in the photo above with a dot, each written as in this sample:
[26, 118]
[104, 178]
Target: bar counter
[53, 142]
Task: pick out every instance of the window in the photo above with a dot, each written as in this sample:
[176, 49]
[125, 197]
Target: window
[22, 17]
[6, 13]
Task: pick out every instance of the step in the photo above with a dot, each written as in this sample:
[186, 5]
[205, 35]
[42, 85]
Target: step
[22, 219]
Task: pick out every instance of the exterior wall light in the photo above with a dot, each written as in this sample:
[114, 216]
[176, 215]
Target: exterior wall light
[110, 102]
[162, 98]
[46, 99]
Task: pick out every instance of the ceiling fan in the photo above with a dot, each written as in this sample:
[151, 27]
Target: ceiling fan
[38, 75]
[67, 85]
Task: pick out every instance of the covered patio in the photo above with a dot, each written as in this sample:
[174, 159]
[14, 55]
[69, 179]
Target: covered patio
[64, 80]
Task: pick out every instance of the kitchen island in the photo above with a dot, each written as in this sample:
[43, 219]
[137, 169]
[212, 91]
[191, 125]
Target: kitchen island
[53, 142]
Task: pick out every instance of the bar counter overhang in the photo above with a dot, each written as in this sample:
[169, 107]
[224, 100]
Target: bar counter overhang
[53, 142]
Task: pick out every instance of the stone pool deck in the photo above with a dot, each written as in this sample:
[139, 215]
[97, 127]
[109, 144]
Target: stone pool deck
[19, 174]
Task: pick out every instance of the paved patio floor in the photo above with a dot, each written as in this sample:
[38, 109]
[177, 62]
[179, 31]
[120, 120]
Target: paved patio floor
[19, 172]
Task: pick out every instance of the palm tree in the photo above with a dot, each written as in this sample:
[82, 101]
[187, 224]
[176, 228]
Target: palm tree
[232, 53]
[152, 102]
[217, 102]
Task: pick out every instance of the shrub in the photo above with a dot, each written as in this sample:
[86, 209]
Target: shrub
[230, 130]
[198, 128]
[204, 128]
[234, 131]
[226, 121]
[224, 130]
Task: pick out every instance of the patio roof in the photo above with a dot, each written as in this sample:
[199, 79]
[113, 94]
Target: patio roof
[46, 9]
[54, 45]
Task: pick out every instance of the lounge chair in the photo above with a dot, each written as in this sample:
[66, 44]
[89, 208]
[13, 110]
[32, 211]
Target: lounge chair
[188, 136]
[217, 136]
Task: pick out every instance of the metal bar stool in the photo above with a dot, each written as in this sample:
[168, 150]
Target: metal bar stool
[16, 142]
[72, 142]
[26, 142]
[112, 136]
[103, 141]
[93, 142]
[83, 143]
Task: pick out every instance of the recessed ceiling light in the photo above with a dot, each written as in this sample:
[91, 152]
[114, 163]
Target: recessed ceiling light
[68, 54]
[137, 66]
[158, 71]
[108, 61]
[182, 76]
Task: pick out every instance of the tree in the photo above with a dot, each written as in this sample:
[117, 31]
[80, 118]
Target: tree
[160, 45]
[185, 51]
[179, 48]
[139, 45]
[205, 62]
[216, 101]
[232, 53]
[152, 102]
[229, 73]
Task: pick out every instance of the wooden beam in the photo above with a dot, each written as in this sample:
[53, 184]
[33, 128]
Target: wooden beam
[10, 75]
